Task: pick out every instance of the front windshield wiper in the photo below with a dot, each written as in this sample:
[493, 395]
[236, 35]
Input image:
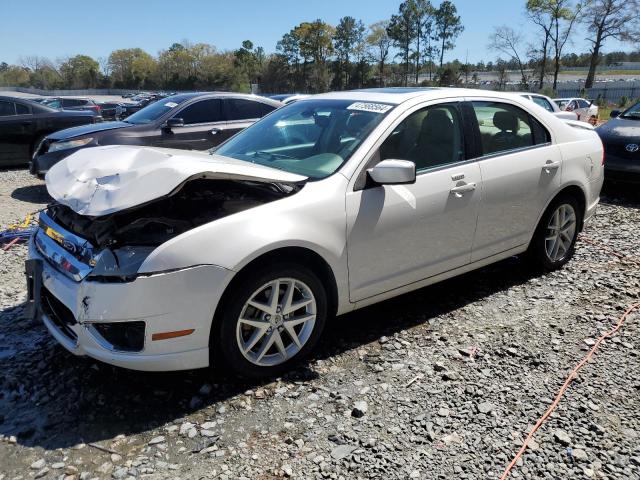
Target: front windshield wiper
[634, 115]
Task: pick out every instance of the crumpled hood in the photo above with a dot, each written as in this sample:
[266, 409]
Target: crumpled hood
[102, 180]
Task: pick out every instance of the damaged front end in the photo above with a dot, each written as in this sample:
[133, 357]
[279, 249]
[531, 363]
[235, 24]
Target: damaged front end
[112, 247]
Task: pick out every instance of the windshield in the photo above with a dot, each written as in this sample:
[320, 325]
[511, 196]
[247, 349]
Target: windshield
[633, 112]
[153, 112]
[562, 103]
[310, 137]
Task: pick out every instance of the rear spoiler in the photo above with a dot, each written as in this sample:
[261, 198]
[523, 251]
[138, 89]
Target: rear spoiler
[578, 124]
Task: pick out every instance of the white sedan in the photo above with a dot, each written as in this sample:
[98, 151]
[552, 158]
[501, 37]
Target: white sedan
[586, 110]
[157, 259]
[549, 105]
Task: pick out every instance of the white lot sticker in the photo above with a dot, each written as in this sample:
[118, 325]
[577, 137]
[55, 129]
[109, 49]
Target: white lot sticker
[171, 104]
[370, 107]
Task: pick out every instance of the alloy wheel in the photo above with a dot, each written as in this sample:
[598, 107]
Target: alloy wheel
[561, 231]
[276, 322]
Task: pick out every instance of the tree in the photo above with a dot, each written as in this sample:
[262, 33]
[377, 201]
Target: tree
[605, 19]
[449, 76]
[506, 40]
[249, 61]
[448, 27]
[348, 35]
[426, 34]
[315, 40]
[131, 67]
[80, 71]
[402, 30]
[560, 16]
[538, 14]
[288, 49]
[379, 43]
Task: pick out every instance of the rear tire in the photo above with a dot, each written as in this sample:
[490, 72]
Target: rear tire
[554, 240]
[261, 335]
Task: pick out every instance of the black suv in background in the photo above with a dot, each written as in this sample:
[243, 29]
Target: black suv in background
[23, 125]
[189, 121]
[108, 109]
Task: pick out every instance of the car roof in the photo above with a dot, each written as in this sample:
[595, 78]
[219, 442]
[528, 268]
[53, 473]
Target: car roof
[187, 96]
[398, 95]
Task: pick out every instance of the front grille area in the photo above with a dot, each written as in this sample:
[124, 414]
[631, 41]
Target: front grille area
[620, 151]
[60, 315]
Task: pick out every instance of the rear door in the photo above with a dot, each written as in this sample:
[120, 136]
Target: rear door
[204, 126]
[15, 133]
[521, 170]
[242, 112]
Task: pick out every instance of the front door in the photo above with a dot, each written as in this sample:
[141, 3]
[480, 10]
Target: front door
[204, 127]
[401, 234]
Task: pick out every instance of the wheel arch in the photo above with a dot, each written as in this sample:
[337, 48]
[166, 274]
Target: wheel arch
[575, 191]
[291, 254]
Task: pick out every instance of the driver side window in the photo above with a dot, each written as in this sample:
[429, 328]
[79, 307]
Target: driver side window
[429, 137]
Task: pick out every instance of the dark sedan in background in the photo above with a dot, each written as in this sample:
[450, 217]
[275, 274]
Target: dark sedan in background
[621, 139]
[24, 124]
[190, 121]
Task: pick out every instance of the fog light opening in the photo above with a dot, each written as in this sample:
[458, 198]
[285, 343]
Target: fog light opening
[123, 336]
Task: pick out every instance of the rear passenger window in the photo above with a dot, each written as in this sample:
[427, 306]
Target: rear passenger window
[7, 108]
[430, 137]
[504, 127]
[240, 109]
[204, 111]
[22, 109]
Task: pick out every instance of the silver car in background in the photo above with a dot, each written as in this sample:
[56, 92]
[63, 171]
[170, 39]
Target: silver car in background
[160, 259]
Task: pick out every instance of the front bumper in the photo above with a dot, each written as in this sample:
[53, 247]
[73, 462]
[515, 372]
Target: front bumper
[622, 169]
[40, 164]
[166, 302]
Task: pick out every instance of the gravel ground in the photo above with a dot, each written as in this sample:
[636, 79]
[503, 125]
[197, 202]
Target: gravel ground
[441, 383]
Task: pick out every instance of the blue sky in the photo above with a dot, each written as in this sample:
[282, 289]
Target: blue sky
[67, 27]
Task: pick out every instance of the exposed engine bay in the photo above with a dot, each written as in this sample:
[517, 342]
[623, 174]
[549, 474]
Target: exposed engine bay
[194, 203]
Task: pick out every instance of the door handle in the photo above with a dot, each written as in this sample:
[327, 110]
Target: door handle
[551, 166]
[462, 189]
[215, 131]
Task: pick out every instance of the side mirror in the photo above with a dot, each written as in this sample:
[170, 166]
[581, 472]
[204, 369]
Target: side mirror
[614, 113]
[393, 172]
[174, 122]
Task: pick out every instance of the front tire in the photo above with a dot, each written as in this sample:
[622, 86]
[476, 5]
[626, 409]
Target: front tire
[554, 240]
[271, 320]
